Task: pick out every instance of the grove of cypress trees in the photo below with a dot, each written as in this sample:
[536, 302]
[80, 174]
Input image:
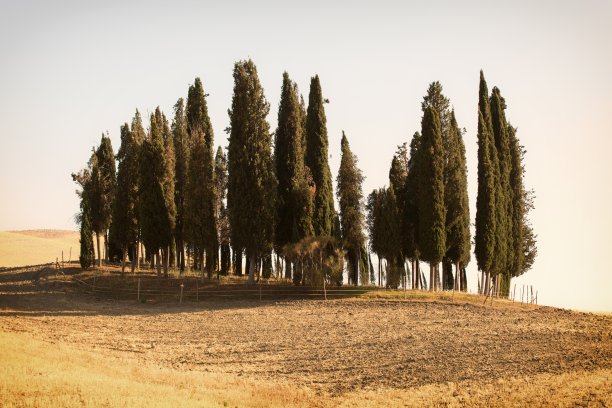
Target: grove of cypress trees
[102, 193]
[458, 241]
[252, 185]
[488, 173]
[432, 212]
[350, 199]
[124, 229]
[317, 161]
[200, 219]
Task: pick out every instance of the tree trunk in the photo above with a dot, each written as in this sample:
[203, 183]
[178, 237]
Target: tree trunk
[99, 253]
[158, 263]
[166, 261]
[123, 260]
[133, 257]
[106, 247]
[251, 261]
[137, 256]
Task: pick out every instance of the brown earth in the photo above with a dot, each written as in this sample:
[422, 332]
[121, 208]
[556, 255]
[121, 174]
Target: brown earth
[332, 347]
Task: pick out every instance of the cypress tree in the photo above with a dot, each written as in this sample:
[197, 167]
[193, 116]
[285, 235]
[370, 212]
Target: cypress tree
[138, 137]
[374, 217]
[317, 160]
[432, 213]
[157, 210]
[410, 213]
[200, 193]
[294, 205]
[458, 246]
[124, 229]
[252, 185]
[488, 174]
[504, 193]
[222, 216]
[104, 180]
[350, 199]
[524, 243]
[182, 151]
[86, 257]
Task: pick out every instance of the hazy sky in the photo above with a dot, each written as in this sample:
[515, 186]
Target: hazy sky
[70, 71]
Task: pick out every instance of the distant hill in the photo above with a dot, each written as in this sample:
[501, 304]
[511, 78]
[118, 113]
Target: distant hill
[33, 247]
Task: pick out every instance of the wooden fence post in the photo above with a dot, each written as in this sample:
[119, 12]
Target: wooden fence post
[181, 299]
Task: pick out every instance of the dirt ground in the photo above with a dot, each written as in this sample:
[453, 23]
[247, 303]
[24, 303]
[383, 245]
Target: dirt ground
[333, 347]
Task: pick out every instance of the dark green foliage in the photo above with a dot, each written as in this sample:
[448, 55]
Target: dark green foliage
[182, 152]
[198, 121]
[317, 160]
[251, 194]
[458, 246]
[431, 210]
[295, 185]
[350, 199]
[486, 220]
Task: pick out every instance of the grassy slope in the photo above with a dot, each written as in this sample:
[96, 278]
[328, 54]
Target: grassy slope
[36, 373]
[33, 247]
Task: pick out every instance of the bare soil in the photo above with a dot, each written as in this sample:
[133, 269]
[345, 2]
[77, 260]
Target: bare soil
[333, 347]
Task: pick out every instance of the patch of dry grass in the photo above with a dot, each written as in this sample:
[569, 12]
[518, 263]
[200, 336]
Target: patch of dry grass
[33, 247]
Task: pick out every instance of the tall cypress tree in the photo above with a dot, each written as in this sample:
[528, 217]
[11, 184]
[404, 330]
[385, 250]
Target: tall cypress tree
[252, 185]
[504, 193]
[317, 160]
[104, 181]
[200, 194]
[86, 257]
[182, 151]
[488, 173]
[409, 226]
[222, 216]
[138, 137]
[350, 199]
[293, 224]
[432, 212]
[83, 178]
[458, 246]
[524, 249]
[124, 229]
[157, 211]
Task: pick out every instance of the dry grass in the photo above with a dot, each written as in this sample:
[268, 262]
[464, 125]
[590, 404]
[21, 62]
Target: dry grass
[39, 374]
[35, 247]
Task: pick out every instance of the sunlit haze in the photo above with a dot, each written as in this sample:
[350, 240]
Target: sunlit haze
[72, 70]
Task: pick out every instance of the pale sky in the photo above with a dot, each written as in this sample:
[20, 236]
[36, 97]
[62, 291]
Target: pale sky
[70, 71]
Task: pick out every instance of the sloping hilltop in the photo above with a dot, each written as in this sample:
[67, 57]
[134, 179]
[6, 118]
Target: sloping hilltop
[60, 346]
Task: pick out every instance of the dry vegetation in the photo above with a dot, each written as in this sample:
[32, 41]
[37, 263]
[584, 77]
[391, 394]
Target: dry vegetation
[35, 247]
[60, 347]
